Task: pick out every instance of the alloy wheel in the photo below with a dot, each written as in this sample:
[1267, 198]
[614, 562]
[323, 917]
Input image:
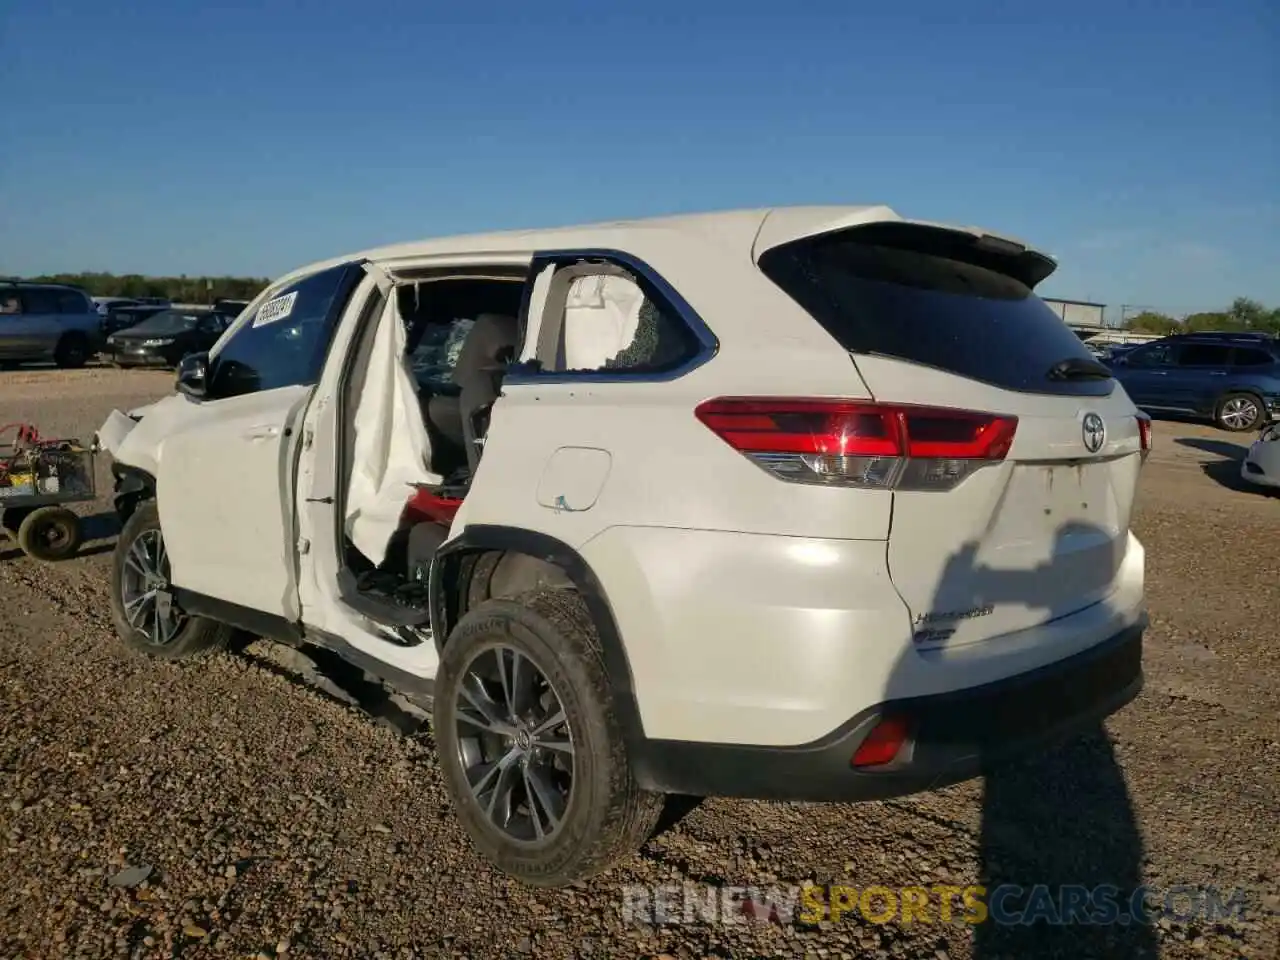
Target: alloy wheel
[145, 590]
[1240, 413]
[514, 744]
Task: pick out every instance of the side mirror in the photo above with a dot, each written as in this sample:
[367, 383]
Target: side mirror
[193, 372]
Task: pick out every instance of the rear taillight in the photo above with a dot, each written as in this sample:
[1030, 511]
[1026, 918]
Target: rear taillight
[1144, 434]
[855, 443]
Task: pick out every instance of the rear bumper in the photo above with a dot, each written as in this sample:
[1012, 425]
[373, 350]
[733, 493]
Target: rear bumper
[955, 736]
[1260, 470]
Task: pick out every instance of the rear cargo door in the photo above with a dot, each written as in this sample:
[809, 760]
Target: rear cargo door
[933, 318]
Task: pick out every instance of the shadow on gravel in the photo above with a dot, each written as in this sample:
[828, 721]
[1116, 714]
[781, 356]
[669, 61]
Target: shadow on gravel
[101, 526]
[1065, 821]
[1226, 471]
[1060, 850]
[320, 669]
[674, 809]
[1231, 451]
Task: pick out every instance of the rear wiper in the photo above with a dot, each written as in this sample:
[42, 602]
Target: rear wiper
[1077, 368]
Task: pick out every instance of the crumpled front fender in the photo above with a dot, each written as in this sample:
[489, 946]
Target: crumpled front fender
[113, 431]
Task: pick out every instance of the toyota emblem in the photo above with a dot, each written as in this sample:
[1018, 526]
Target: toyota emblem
[1094, 431]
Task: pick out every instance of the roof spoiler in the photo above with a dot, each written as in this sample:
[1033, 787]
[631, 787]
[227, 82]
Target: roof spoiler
[784, 226]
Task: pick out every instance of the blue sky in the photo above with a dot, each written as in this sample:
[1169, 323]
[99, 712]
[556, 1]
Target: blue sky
[1136, 140]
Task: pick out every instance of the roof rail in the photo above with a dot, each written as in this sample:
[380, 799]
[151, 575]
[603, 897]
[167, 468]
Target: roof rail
[1228, 334]
[35, 283]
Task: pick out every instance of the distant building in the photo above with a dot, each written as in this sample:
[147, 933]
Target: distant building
[1079, 313]
[1086, 319]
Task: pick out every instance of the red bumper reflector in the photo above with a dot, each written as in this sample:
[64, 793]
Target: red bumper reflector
[883, 743]
[1144, 433]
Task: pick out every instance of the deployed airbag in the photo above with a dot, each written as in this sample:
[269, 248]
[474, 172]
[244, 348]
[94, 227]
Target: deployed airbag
[601, 315]
[391, 451]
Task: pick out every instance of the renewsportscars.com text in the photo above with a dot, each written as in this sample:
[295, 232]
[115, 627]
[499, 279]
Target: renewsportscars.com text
[1008, 904]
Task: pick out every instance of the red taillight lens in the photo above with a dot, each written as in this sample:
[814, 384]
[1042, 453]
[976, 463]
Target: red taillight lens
[882, 744]
[1144, 432]
[856, 443]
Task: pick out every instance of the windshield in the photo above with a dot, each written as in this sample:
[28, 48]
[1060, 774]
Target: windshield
[170, 321]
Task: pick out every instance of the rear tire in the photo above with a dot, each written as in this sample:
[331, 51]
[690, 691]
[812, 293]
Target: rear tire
[602, 815]
[140, 567]
[72, 351]
[50, 534]
[1239, 412]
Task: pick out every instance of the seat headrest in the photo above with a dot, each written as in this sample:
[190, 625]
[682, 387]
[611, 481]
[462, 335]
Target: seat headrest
[497, 325]
[489, 336]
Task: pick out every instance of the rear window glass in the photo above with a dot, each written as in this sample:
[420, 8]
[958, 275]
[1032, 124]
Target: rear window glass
[1250, 357]
[1203, 355]
[920, 296]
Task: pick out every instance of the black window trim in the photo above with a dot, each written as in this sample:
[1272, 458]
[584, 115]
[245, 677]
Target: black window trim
[24, 299]
[1239, 350]
[1171, 355]
[652, 283]
[1227, 349]
[65, 295]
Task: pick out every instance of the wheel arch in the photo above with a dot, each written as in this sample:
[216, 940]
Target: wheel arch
[73, 335]
[132, 487]
[487, 561]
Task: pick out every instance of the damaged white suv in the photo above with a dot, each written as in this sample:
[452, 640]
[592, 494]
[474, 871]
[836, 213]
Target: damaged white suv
[802, 503]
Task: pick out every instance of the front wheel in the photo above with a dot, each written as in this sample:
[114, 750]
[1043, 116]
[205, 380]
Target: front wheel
[1239, 412]
[530, 746]
[143, 607]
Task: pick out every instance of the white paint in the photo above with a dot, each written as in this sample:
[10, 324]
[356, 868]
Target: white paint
[751, 610]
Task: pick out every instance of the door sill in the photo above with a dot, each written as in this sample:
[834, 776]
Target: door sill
[381, 608]
[259, 623]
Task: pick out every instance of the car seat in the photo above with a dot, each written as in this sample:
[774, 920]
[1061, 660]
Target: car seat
[489, 347]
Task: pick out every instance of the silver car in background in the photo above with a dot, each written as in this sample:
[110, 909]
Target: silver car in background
[1262, 463]
[47, 321]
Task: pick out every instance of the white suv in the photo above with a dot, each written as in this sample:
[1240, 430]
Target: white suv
[801, 503]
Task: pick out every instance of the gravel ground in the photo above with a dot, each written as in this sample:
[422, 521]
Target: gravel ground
[267, 802]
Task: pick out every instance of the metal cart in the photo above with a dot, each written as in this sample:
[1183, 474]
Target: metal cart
[38, 477]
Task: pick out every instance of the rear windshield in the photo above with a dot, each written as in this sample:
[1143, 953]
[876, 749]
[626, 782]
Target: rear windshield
[932, 298]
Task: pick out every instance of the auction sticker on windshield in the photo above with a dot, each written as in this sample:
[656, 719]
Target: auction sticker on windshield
[275, 309]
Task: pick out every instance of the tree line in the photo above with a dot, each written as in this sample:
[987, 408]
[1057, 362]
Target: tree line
[178, 289]
[1244, 315]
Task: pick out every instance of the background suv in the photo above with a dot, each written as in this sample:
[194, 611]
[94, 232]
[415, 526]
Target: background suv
[1230, 378]
[47, 321]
